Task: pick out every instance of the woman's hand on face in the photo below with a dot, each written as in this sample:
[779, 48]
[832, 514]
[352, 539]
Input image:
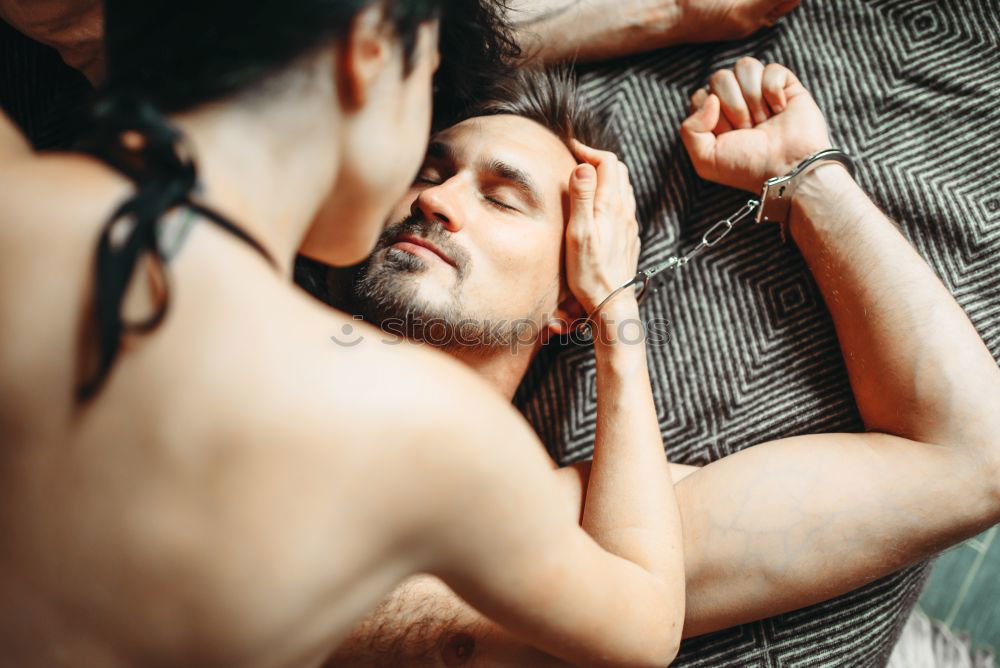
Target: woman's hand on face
[602, 237]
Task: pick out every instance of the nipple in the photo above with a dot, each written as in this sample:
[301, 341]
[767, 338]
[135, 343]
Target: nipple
[458, 649]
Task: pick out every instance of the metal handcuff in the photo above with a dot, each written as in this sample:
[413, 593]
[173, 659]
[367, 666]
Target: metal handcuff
[773, 206]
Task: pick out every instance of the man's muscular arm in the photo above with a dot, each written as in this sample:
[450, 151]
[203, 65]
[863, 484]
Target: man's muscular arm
[815, 516]
[578, 30]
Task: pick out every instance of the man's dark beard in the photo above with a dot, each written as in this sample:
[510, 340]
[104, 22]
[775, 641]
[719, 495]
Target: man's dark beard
[385, 294]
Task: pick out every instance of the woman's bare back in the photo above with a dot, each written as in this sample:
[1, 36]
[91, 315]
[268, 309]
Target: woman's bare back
[151, 515]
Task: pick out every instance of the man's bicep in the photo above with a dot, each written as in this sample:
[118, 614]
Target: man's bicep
[792, 522]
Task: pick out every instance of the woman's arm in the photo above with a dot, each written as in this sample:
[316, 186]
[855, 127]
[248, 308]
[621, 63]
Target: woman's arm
[511, 546]
[423, 621]
[630, 506]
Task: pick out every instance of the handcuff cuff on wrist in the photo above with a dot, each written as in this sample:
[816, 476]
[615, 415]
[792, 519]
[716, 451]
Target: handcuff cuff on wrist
[774, 206]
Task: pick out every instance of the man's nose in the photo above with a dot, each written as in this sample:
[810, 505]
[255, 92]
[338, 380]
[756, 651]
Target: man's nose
[441, 204]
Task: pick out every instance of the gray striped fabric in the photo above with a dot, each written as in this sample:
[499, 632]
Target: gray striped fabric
[41, 94]
[912, 88]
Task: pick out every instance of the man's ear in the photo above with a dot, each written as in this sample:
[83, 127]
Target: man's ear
[568, 315]
[362, 55]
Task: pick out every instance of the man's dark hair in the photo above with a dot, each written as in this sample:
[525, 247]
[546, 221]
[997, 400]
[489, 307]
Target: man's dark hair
[177, 54]
[550, 97]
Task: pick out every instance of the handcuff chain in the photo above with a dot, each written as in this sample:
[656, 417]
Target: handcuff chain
[775, 200]
[713, 235]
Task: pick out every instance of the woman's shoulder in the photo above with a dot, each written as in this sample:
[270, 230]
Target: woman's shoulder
[339, 375]
[47, 194]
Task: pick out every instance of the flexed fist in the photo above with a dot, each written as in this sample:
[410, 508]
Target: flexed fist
[752, 123]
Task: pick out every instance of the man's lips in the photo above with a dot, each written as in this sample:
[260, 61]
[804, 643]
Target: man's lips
[411, 243]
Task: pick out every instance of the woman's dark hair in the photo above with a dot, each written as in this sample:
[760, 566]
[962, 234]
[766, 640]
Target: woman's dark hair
[176, 54]
[166, 56]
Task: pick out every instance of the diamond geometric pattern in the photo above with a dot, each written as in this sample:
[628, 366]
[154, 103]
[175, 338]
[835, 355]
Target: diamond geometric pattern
[911, 88]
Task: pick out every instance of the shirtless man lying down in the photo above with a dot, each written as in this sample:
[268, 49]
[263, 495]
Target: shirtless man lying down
[486, 235]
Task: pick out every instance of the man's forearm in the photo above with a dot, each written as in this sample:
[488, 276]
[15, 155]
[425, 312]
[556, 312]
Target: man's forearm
[579, 30]
[916, 364]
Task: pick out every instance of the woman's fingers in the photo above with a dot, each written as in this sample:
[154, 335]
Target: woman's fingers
[582, 152]
[734, 106]
[608, 195]
[589, 154]
[749, 73]
[614, 193]
[602, 236]
[582, 186]
[626, 192]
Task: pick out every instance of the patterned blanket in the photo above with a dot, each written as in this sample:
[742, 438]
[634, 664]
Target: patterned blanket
[912, 88]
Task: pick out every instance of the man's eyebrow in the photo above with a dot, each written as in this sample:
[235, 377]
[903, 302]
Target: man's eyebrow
[517, 177]
[441, 151]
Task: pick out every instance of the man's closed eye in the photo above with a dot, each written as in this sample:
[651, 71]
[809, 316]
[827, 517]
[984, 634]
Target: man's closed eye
[499, 203]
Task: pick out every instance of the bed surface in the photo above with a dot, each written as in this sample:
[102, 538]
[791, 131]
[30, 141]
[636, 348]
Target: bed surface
[911, 89]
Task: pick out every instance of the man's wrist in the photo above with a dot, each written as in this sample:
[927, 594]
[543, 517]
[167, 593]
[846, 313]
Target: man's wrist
[817, 190]
[663, 22]
[822, 181]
